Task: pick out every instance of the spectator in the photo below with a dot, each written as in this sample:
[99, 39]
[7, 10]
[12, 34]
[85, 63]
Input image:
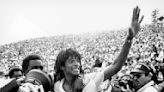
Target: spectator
[32, 62]
[35, 62]
[87, 70]
[142, 79]
[15, 72]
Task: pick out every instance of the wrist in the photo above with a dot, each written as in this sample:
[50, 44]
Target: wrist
[128, 40]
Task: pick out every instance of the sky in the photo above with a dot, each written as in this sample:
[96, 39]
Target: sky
[25, 19]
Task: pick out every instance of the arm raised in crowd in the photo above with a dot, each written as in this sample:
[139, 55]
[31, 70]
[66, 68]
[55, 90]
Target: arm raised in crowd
[132, 32]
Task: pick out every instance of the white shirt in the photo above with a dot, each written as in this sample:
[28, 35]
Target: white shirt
[149, 87]
[92, 82]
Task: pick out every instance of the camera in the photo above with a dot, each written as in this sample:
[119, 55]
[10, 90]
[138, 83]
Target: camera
[24, 87]
[124, 85]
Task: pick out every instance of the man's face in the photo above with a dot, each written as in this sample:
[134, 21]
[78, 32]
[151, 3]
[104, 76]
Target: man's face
[72, 66]
[35, 64]
[139, 80]
[17, 74]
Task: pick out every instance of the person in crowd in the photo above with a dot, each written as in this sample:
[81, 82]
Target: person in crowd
[15, 72]
[31, 62]
[11, 85]
[34, 62]
[142, 79]
[68, 65]
[87, 70]
[97, 66]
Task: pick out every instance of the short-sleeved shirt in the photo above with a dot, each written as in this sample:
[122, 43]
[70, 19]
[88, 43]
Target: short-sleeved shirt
[91, 81]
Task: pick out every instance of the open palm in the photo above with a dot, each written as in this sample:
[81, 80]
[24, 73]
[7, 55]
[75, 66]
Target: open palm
[135, 24]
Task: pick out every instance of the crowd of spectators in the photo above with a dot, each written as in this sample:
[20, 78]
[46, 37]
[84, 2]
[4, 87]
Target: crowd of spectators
[103, 45]
[148, 48]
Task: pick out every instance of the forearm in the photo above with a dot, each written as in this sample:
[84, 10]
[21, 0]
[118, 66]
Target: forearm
[11, 86]
[132, 32]
[119, 61]
[121, 58]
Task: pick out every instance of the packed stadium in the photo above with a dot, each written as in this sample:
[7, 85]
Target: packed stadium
[112, 60]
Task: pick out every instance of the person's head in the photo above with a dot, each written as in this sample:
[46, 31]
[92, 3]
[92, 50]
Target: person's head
[125, 78]
[98, 63]
[32, 62]
[15, 72]
[141, 75]
[87, 70]
[68, 62]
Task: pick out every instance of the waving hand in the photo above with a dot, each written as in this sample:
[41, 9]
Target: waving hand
[135, 23]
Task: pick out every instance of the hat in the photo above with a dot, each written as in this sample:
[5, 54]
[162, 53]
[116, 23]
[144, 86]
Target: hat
[141, 68]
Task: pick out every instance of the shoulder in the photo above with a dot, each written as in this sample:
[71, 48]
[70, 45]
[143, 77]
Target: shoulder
[150, 89]
[88, 77]
[96, 78]
[57, 85]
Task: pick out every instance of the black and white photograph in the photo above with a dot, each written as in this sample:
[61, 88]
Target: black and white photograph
[81, 45]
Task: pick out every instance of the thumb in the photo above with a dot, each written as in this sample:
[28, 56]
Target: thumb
[41, 88]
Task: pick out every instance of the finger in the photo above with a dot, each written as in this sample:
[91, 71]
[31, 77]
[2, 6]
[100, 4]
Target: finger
[135, 13]
[141, 19]
[137, 9]
[41, 88]
[133, 16]
[138, 14]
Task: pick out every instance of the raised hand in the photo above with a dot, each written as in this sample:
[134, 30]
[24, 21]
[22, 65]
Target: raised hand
[135, 23]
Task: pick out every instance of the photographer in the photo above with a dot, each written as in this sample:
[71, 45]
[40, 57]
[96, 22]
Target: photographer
[29, 63]
[37, 81]
[142, 79]
[33, 68]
